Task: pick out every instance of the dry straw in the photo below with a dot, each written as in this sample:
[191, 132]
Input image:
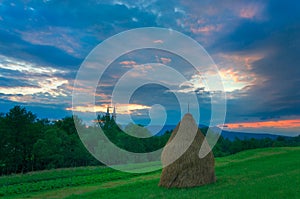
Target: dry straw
[188, 170]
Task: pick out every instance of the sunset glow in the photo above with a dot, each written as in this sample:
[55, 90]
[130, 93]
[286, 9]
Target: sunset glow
[284, 124]
[121, 108]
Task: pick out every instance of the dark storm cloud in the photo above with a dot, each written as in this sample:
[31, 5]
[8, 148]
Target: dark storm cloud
[6, 73]
[250, 34]
[281, 88]
[277, 93]
[152, 94]
[12, 45]
[57, 34]
[60, 32]
[9, 82]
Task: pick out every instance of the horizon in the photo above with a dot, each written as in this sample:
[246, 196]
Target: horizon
[255, 46]
[154, 129]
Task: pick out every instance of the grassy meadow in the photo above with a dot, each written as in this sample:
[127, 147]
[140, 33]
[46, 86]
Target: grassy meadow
[259, 173]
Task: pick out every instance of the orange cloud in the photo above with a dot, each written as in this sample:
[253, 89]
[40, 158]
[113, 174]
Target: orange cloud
[230, 73]
[158, 41]
[248, 13]
[243, 60]
[283, 124]
[165, 60]
[207, 29]
[121, 108]
[251, 11]
[49, 85]
[128, 63]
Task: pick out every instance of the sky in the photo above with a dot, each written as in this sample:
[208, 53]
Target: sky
[255, 45]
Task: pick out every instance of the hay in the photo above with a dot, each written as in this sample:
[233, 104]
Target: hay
[188, 170]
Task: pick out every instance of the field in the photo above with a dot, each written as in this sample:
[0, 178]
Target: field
[260, 173]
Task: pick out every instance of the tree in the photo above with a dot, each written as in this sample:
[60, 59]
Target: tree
[74, 152]
[67, 124]
[20, 135]
[3, 145]
[48, 152]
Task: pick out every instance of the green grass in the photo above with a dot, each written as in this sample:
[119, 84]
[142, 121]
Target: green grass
[260, 173]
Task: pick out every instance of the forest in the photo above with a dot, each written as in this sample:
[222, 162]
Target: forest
[31, 144]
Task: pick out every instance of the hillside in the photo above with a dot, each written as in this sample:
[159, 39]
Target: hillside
[259, 173]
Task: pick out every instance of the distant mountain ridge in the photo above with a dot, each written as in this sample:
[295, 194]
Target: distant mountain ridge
[165, 128]
[231, 135]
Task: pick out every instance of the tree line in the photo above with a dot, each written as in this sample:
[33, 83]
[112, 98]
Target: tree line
[30, 144]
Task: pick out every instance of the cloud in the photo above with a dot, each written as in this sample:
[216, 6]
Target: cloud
[254, 43]
[62, 38]
[278, 94]
[208, 29]
[32, 82]
[48, 85]
[11, 45]
[229, 81]
[262, 54]
[10, 82]
[14, 64]
[236, 69]
[158, 41]
[248, 13]
[285, 124]
[127, 63]
[165, 60]
[241, 60]
[121, 108]
[287, 127]
[46, 33]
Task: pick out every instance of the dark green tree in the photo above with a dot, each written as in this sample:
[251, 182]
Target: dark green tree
[48, 151]
[20, 134]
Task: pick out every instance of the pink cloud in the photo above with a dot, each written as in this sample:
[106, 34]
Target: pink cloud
[54, 36]
[248, 13]
[121, 108]
[158, 41]
[207, 29]
[284, 124]
[165, 60]
[128, 63]
[200, 21]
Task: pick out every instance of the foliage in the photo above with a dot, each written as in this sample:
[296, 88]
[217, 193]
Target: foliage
[131, 140]
[29, 144]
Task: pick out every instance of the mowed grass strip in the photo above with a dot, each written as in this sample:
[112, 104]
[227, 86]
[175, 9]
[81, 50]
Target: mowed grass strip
[43, 181]
[259, 173]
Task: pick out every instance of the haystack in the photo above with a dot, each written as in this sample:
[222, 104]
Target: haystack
[184, 168]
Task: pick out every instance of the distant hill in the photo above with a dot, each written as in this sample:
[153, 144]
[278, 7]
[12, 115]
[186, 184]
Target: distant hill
[153, 129]
[243, 136]
[231, 135]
